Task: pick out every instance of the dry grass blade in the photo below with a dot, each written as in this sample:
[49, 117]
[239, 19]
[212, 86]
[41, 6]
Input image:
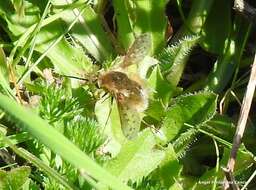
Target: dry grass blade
[244, 113]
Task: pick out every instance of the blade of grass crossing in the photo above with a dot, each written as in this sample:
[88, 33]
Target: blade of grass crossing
[58, 143]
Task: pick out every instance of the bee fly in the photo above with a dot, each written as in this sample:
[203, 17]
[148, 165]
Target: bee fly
[128, 88]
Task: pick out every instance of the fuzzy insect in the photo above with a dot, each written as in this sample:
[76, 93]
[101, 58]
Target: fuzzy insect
[129, 89]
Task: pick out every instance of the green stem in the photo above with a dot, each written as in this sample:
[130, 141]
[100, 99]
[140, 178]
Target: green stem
[195, 20]
[124, 30]
[226, 65]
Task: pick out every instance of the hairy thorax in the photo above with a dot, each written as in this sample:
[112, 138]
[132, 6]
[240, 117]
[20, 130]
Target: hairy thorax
[127, 90]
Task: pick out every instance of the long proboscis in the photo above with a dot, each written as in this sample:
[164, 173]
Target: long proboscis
[78, 78]
[88, 80]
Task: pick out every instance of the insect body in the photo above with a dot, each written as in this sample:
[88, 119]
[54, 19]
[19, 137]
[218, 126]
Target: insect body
[131, 98]
[129, 89]
[128, 92]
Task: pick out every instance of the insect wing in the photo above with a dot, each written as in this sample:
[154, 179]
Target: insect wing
[137, 52]
[130, 121]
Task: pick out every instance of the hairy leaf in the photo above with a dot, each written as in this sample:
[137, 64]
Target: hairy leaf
[193, 109]
[137, 158]
[173, 59]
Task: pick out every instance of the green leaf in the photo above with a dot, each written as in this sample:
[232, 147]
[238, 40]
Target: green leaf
[15, 139]
[108, 118]
[156, 110]
[66, 58]
[19, 7]
[145, 66]
[227, 63]
[214, 32]
[150, 17]
[176, 186]
[4, 74]
[3, 67]
[124, 26]
[88, 31]
[184, 141]
[195, 20]
[17, 25]
[57, 142]
[174, 58]
[169, 168]
[14, 179]
[221, 126]
[137, 158]
[193, 109]
[162, 88]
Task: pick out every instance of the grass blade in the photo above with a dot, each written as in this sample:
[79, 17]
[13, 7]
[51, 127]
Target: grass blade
[58, 143]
